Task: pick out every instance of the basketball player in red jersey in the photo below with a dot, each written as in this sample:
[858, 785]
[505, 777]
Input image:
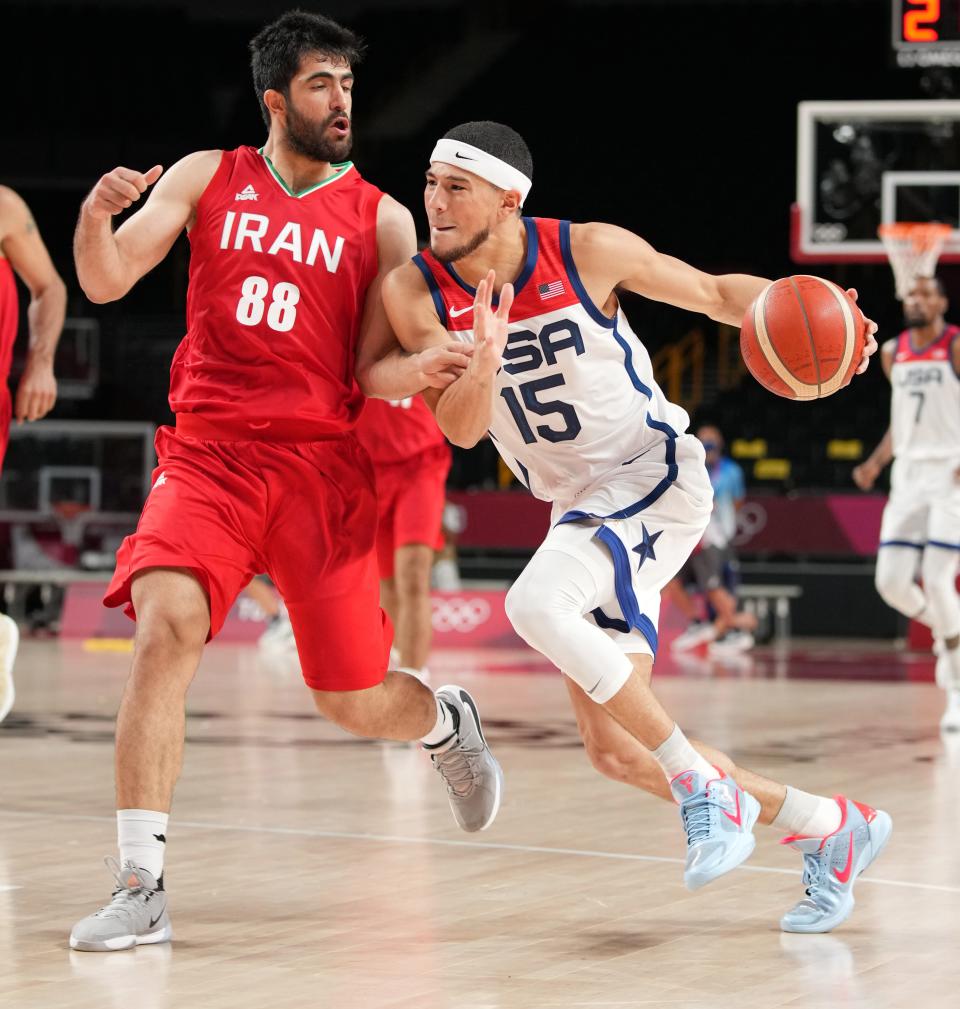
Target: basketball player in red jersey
[566, 390]
[412, 459]
[262, 471]
[23, 253]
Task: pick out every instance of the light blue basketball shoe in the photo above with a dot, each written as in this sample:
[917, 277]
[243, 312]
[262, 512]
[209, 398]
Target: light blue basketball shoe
[718, 817]
[831, 865]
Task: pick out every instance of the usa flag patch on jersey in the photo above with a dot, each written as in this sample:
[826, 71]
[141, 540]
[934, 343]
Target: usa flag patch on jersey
[551, 290]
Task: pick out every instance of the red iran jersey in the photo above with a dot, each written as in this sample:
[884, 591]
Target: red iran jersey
[395, 430]
[276, 294]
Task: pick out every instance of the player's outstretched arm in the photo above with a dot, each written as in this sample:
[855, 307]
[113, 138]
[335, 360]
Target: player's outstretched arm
[21, 243]
[618, 258]
[384, 369]
[613, 257]
[108, 263]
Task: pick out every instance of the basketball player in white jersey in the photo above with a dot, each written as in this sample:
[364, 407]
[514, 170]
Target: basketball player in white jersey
[920, 532]
[566, 390]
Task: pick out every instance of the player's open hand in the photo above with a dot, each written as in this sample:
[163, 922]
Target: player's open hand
[490, 325]
[439, 366]
[118, 190]
[865, 475]
[869, 347]
[36, 392]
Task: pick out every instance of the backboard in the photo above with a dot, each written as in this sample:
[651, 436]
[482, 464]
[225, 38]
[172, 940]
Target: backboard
[863, 164]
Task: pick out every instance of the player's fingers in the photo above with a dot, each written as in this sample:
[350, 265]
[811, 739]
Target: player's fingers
[32, 406]
[506, 300]
[480, 324]
[852, 293]
[121, 189]
[491, 284]
[451, 359]
[134, 178]
[478, 297]
[154, 174]
[110, 205]
[442, 379]
[459, 348]
[869, 349]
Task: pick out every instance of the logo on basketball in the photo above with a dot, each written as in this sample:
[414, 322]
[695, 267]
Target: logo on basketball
[458, 614]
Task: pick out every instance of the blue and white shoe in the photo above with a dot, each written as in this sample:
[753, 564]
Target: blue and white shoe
[718, 817]
[831, 865]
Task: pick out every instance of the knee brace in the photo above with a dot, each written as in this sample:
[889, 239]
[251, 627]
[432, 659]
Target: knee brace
[547, 606]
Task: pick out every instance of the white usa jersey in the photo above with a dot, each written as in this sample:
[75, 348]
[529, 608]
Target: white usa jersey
[925, 405]
[576, 398]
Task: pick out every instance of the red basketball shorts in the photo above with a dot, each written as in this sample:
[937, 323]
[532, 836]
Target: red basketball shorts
[303, 512]
[411, 496]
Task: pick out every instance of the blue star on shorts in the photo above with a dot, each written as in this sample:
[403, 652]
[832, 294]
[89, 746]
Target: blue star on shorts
[645, 547]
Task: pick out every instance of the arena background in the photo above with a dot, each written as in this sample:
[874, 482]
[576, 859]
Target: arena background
[308, 866]
[676, 120]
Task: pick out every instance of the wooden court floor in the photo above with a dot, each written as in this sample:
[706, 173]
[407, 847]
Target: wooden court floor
[310, 869]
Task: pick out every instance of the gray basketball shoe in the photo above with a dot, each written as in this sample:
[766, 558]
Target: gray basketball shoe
[136, 915]
[473, 777]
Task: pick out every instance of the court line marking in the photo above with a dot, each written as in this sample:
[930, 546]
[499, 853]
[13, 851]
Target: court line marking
[7, 887]
[530, 849]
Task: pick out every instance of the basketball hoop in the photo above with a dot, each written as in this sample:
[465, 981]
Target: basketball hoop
[913, 250]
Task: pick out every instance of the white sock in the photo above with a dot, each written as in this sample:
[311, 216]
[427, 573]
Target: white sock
[445, 728]
[676, 755]
[810, 815]
[446, 575]
[142, 838]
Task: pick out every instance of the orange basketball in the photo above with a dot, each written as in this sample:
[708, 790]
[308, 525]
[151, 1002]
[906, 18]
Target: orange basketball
[803, 338]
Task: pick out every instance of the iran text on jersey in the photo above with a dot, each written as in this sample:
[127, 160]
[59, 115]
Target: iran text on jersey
[277, 287]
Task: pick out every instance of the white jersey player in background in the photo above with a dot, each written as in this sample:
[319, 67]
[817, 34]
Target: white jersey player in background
[921, 522]
[566, 390]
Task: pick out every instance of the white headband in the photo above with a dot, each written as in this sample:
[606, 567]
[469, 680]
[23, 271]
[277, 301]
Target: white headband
[472, 159]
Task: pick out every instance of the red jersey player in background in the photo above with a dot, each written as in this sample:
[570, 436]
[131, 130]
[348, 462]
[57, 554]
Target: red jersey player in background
[411, 459]
[262, 472]
[23, 253]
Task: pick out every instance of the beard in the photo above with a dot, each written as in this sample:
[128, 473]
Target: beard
[461, 251]
[310, 140]
[915, 320]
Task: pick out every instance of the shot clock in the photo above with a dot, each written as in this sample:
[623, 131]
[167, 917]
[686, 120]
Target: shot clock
[926, 33]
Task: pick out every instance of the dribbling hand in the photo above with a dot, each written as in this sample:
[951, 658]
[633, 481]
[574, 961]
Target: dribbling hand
[869, 348]
[117, 190]
[490, 326]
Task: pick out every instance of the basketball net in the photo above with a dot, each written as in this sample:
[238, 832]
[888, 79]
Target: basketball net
[913, 250]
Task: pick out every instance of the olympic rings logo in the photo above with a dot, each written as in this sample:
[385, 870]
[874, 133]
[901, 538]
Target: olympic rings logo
[457, 614]
[751, 520]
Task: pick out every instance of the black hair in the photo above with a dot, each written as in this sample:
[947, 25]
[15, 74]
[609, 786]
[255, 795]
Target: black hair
[498, 140]
[277, 49]
[937, 282]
